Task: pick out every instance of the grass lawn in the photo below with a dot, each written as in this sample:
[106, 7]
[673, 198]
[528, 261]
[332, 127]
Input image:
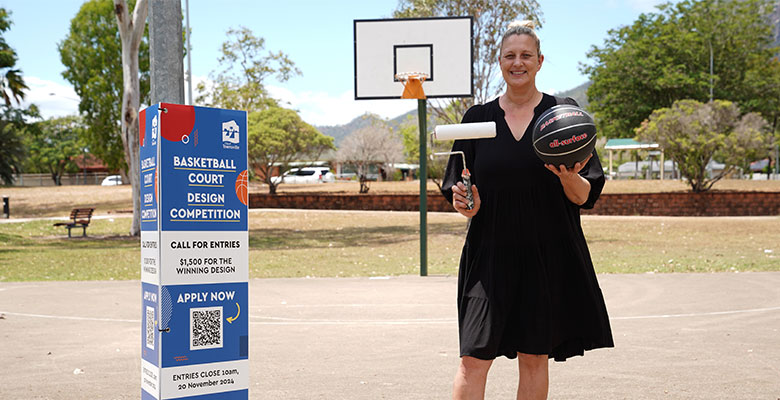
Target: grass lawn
[300, 243]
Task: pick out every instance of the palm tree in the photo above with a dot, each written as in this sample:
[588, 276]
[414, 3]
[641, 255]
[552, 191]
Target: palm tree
[12, 85]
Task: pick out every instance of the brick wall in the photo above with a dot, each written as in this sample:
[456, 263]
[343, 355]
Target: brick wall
[685, 203]
[675, 204]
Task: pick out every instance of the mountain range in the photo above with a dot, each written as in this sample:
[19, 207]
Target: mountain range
[339, 132]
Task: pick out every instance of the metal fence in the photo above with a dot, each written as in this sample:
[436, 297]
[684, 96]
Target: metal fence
[90, 178]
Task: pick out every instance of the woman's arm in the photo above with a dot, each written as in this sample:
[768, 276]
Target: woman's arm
[575, 187]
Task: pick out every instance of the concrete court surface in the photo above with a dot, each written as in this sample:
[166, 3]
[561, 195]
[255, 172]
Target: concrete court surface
[677, 336]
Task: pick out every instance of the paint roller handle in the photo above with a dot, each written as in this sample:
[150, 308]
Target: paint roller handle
[466, 178]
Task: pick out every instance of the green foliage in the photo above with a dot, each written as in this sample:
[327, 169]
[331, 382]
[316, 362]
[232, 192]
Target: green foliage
[277, 137]
[13, 121]
[245, 66]
[12, 84]
[92, 56]
[665, 56]
[13, 128]
[491, 18]
[54, 147]
[692, 134]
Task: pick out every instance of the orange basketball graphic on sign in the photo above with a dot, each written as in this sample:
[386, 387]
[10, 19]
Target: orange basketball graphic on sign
[242, 191]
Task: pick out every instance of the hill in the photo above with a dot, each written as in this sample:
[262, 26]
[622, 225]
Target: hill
[579, 94]
[339, 132]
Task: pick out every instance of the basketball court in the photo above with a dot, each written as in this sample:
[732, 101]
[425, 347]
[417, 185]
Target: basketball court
[677, 336]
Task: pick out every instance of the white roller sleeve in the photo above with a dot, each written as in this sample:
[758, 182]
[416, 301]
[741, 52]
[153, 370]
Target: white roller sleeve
[473, 130]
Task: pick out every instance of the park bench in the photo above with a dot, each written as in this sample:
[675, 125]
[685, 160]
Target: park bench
[79, 218]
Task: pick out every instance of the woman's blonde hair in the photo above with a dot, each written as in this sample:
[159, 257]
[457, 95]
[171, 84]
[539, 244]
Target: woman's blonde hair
[521, 28]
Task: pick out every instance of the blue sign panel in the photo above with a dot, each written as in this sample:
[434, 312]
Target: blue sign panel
[194, 253]
[204, 165]
[149, 136]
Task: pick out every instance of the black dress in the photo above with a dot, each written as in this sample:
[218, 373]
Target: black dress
[526, 281]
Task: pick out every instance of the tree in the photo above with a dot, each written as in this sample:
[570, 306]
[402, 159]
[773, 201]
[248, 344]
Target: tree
[13, 121]
[665, 56]
[371, 145]
[12, 151]
[243, 89]
[131, 31]
[693, 134]
[491, 18]
[12, 84]
[54, 147]
[93, 60]
[410, 136]
[277, 137]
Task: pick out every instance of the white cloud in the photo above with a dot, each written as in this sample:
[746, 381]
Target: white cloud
[53, 99]
[320, 108]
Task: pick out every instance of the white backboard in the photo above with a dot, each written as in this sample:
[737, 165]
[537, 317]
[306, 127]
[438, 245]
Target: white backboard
[439, 47]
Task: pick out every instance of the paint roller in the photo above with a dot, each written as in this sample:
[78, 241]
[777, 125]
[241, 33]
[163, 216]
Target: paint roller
[472, 130]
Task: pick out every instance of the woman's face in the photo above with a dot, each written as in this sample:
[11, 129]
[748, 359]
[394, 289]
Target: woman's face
[519, 60]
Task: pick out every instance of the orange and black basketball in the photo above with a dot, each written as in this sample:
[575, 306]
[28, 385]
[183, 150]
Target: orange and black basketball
[564, 135]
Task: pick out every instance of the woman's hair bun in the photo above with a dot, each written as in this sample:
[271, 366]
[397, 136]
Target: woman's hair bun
[522, 24]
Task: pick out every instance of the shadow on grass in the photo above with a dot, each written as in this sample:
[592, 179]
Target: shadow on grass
[75, 243]
[276, 239]
[259, 239]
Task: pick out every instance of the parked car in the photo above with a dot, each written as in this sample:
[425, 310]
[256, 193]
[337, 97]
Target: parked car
[112, 180]
[305, 175]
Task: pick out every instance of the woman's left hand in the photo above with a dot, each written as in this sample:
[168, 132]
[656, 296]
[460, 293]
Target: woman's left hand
[574, 185]
[566, 174]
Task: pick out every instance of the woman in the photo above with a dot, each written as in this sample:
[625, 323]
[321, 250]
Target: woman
[526, 285]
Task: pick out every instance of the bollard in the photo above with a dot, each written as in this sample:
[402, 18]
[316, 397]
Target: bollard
[6, 207]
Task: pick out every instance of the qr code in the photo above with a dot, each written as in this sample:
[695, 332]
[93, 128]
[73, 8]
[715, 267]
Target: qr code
[206, 328]
[150, 327]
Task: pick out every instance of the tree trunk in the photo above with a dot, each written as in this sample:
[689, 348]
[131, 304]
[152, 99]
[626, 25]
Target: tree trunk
[131, 31]
[364, 184]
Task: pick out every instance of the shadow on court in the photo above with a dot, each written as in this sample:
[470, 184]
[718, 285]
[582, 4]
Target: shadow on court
[677, 336]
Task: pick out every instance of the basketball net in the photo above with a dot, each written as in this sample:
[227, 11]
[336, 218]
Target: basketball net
[412, 84]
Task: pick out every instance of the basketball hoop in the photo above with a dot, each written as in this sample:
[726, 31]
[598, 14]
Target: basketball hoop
[412, 84]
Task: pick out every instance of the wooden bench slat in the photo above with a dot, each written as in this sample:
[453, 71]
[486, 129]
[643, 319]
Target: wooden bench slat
[79, 218]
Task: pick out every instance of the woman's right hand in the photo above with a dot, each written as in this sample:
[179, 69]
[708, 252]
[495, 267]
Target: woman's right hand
[459, 199]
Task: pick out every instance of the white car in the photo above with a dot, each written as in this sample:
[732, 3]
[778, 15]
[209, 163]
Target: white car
[305, 175]
[112, 180]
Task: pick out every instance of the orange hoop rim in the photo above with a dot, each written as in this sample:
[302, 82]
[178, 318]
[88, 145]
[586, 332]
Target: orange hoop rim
[407, 76]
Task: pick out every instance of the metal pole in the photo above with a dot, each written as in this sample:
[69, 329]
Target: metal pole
[84, 160]
[165, 46]
[423, 174]
[189, 59]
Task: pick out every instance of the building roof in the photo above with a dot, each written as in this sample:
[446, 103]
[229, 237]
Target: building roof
[628, 144]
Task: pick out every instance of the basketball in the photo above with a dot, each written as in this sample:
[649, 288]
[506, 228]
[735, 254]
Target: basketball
[564, 134]
[242, 191]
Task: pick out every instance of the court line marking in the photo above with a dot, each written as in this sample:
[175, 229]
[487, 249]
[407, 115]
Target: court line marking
[69, 317]
[422, 321]
[357, 305]
[355, 322]
[18, 287]
[751, 310]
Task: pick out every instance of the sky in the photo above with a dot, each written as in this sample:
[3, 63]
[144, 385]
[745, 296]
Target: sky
[317, 35]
